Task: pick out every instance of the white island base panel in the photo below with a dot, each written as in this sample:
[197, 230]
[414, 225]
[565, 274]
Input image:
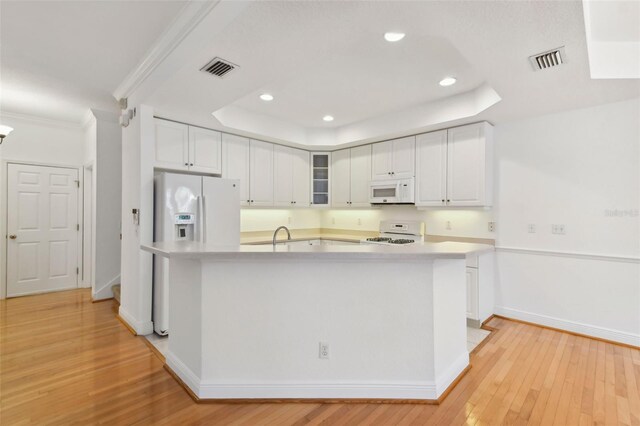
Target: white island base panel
[251, 328]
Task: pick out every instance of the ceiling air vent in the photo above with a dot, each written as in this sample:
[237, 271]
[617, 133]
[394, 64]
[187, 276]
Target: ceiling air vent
[551, 58]
[219, 67]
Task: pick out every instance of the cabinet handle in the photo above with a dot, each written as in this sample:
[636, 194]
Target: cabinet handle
[191, 164]
[13, 237]
[248, 201]
[448, 201]
[443, 201]
[393, 173]
[186, 164]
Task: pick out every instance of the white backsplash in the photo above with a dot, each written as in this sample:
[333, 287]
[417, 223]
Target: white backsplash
[450, 222]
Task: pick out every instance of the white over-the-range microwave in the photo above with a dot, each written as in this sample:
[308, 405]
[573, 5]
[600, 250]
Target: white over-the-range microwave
[392, 191]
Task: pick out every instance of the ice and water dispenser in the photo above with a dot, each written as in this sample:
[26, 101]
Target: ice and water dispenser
[184, 226]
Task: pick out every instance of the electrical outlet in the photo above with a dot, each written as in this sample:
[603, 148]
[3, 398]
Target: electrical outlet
[449, 225]
[531, 228]
[492, 227]
[323, 350]
[558, 229]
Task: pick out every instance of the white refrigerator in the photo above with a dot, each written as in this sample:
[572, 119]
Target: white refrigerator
[190, 208]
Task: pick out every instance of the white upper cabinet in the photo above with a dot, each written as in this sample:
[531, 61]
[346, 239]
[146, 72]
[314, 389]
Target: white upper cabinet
[235, 163]
[261, 173]
[454, 167]
[393, 159]
[291, 177]
[350, 177]
[469, 165]
[341, 178]
[404, 157]
[301, 172]
[431, 169]
[381, 160]
[319, 187]
[172, 145]
[205, 150]
[182, 147]
[360, 176]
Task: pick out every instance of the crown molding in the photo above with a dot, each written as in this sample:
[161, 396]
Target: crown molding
[44, 121]
[188, 18]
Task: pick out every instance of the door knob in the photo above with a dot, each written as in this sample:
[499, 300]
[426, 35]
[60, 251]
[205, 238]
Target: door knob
[13, 237]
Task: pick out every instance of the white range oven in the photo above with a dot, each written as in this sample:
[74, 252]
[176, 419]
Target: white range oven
[393, 191]
[398, 232]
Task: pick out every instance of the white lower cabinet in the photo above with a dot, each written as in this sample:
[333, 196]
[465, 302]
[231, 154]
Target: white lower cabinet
[472, 293]
[480, 287]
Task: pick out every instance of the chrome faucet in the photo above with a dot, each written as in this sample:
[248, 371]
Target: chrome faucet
[276, 233]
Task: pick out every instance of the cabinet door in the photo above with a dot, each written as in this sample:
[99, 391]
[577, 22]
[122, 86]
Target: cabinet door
[382, 160]
[301, 170]
[403, 165]
[261, 173]
[320, 179]
[360, 176]
[235, 163]
[466, 166]
[282, 176]
[472, 294]
[172, 145]
[340, 178]
[431, 169]
[205, 150]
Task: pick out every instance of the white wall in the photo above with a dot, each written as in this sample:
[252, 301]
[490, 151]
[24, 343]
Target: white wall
[107, 209]
[574, 168]
[38, 141]
[137, 193]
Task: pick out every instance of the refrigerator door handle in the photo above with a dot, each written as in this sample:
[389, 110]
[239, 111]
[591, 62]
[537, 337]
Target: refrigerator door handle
[199, 218]
[203, 220]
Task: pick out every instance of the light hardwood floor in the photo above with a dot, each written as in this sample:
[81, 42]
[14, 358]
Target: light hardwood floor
[65, 360]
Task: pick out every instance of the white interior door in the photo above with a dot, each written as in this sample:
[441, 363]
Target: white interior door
[42, 228]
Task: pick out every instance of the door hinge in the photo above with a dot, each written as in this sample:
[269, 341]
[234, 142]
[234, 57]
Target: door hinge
[77, 227]
[77, 271]
[77, 183]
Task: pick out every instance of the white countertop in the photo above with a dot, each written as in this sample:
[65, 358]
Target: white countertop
[444, 250]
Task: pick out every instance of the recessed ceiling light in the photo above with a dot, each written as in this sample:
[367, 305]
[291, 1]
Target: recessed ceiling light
[266, 97]
[393, 36]
[327, 118]
[447, 81]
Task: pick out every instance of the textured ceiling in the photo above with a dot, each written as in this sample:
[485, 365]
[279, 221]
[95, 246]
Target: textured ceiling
[59, 58]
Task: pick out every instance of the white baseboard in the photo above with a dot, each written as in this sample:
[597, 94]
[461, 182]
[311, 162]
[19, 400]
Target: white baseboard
[573, 326]
[105, 291]
[444, 380]
[142, 328]
[309, 390]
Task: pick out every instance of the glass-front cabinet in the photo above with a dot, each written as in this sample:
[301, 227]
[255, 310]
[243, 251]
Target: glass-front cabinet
[320, 179]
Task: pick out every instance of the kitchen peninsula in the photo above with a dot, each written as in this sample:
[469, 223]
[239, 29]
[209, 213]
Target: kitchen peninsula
[303, 321]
